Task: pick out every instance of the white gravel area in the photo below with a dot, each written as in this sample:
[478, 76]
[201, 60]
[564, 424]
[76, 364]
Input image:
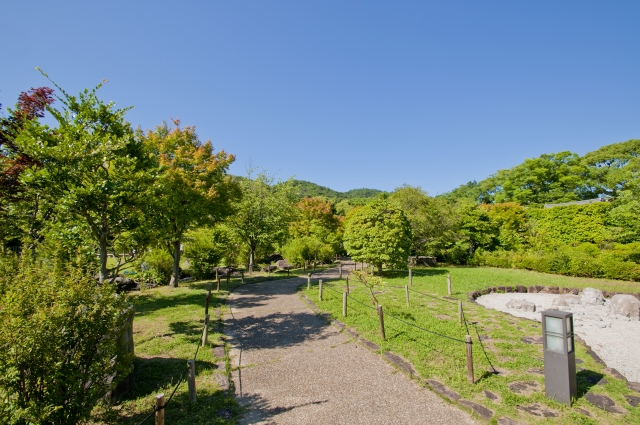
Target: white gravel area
[614, 338]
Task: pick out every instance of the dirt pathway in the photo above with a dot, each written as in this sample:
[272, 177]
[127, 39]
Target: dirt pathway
[296, 369]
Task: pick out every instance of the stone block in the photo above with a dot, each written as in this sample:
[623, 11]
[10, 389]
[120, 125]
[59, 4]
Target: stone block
[591, 296]
[521, 305]
[624, 305]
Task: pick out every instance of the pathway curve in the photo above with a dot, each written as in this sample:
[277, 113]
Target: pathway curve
[296, 369]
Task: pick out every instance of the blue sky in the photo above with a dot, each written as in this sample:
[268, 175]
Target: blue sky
[349, 94]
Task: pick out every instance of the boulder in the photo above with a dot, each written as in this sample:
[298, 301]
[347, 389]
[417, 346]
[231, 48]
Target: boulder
[566, 300]
[591, 296]
[521, 305]
[624, 305]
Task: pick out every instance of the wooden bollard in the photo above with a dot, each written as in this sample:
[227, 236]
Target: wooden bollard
[449, 284]
[469, 359]
[308, 280]
[406, 293]
[347, 280]
[217, 280]
[355, 266]
[344, 304]
[207, 300]
[340, 268]
[160, 409]
[411, 277]
[381, 315]
[320, 290]
[242, 276]
[191, 379]
[205, 333]
[314, 264]
[460, 312]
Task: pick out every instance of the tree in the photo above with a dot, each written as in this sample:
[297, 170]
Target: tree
[378, 233]
[263, 214]
[92, 168]
[192, 186]
[614, 168]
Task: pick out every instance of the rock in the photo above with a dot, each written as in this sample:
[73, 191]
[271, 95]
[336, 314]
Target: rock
[402, 364]
[584, 412]
[566, 300]
[490, 395]
[531, 339]
[521, 305]
[635, 386]
[521, 289]
[524, 387]
[554, 290]
[505, 420]
[537, 371]
[591, 296]
[443, 391]
[632, 400]
[624, 305]
[532, 289]
[574, 291]
[539, 288]
[538, 410]
[603, 402]
[480, 410]
[501, 289]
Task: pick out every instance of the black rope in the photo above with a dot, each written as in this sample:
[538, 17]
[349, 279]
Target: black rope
[423, 329]
[431, 296]
[360, 302]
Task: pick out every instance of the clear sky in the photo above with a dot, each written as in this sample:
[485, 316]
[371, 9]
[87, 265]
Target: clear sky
[348, 94]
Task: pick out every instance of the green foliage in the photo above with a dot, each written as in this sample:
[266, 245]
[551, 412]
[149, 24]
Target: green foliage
[308, 189]
[378, 233]
[307, 248]
[156, 266]
[572, 223]
[59, 341]
[205, 248]
[509, 220]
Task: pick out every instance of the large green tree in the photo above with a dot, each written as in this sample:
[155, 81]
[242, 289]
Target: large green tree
[263, 215]
[92, 167]
[378, 233]
[192, 186]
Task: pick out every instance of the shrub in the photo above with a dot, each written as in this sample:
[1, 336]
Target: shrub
[59, 341]
[159, 266]
[205, 248]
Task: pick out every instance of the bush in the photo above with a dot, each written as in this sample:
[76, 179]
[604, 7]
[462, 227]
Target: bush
[60, 343]
[205, 248]
[159, 266]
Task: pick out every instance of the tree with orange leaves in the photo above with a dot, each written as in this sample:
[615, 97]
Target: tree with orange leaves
[192, 187]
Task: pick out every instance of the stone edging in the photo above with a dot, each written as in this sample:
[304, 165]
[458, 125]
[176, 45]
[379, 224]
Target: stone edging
[521, 289]
[404, 365]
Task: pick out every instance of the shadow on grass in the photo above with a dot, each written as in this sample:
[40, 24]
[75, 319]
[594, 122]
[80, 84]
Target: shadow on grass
[258, 410]
[585, 379]
[150, 302]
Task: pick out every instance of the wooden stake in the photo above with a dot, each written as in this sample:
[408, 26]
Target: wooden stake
[191, 379]
[406, 293]
[449, 284]
[205, 334]
[411, 277]
[320, 290]
[242, 276]
[207, 299]
[308, 280]
[340, 268]
[347, 279]
[160, 409]
[381, 314]
[217, 280]
[469, 359]
[460, 312]
[344, 304]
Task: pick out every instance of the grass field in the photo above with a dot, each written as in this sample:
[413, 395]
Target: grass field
[500, 357]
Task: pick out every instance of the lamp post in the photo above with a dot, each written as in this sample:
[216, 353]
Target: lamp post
[559, 356]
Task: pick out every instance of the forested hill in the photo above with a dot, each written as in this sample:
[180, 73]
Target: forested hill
[612, 170]
[311, 189]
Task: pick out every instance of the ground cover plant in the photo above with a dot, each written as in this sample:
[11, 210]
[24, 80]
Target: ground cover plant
[501, 357]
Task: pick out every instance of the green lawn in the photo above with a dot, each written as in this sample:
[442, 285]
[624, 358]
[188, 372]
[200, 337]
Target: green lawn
[167, 330]
[500, 358]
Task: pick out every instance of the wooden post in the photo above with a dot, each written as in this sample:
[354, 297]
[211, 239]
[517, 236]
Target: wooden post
[320, 290]
[460, 312]
[411, 277]
[406, 293]
[449, 284]
[347, 279]
[160, 409]
[340, 268]
[217, 280]
[308, 280]
[314, 264]
[469, 360]
[191, 379]
[381, 314]
[344, 304]
[373, 270]
[207, 299]
[205, 334]
[355, 266]
[242, 276]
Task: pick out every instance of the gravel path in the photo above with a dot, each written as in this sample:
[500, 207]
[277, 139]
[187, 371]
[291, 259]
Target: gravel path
[616, 340]
[296, 369]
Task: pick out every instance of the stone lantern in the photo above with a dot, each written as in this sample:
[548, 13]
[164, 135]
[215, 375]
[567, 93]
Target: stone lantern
[559, 356]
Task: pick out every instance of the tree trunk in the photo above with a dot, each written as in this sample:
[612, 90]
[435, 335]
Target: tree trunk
[175, 277]
[104, 272]
[379, 269]
[252, 251]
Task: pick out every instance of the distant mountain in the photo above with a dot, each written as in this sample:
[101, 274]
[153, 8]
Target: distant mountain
[311, 189]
